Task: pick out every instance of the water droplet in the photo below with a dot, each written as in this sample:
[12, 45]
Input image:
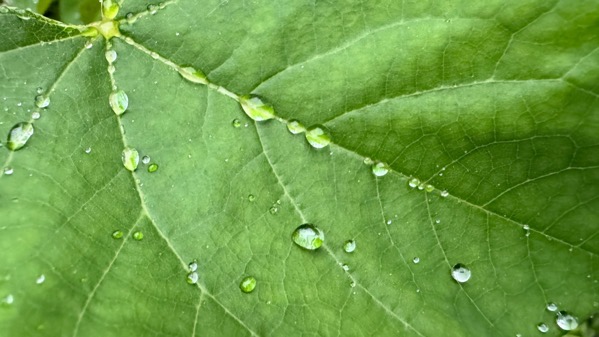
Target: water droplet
[193, 75]
[345, 267]
[9, 299]
[551, 306]
[117, 234]
[40, 279]
[421, 187]
[88, 150]
[119, 101]
[111, 69]
[152, 168]
[256, 108]
[318, 136]
[88, 44]
[145, 160]
[8, 171]
[349, 246]
[414, 182]
[416, 260]
[130, 18]
[109, 9]
[368, 161]
[380, 169]
[193, 266]
[429, 188]
[19, 135]
[352, 284]
[295, 127]
[251, 197]
[130, 159]
[39, 90]
[460, 273]
[248, 284]
[110, 56]
[444, 194]
[192, 278]
[35, 115]
[274, 210]
[308, 236]
[42, 101]
[152, 9]
[236, 123]
[566, 321]
[542, 327]
[138, 236]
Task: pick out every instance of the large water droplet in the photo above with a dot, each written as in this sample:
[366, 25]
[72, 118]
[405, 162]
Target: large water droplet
[318, 136]
[110, 9]
[349, 246]
[130, 159]
[117, 234]
[192, 278]
[566, 321]
[138, 236]
[110, 56]
[42, 101]
[295, 127]
[380, 169]
[256, 108]
[192, 75]
[308, 236]
[460, 273]
[542, 327]
[19, 135]
[248, 284]
[551, 306]
[119, 102]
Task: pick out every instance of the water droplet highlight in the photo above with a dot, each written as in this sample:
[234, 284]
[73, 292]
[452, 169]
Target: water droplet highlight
[19, 135]
[551, 306]
[542, 327]
[566, 321]
[461, 273]
[42, 101]
[119, 102]
[256, 108]
[318, 136]
[9, 299]
[8, 171]
[130, 159]
[248, 284]
[117, 234]
[349, 246]
[444, 194]
[145, 160]
[138, 236]
[308, 237]
[40, 279]
[414, 182]
[416, 260]
[153, 168]
[380, 169]
[295, 127]
[110, 55]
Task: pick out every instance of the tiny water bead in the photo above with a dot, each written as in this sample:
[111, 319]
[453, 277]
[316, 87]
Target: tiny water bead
[8, 171]
[444, 194]
[308, 237]
[40, 279]
[551, 306]
[117, 234]
[295, 127]
[119, 102]
[193, 266]
[542, 327]
[130, 159]
[416, 260]
[461, 273]
[368, 161]
[255, 107]
[145, 160]
[192, 75]
[110, 55]
[248, 284]
[153, 168]
[19, 135]
[318, 136]
[138, 236]
[273, 210]
[251, 198]
[380, 169]
[42, 101]
[9, 299]
[349, 246]
[35, 115]
[414, 182]
[566, 321]
[236, 123]
[193, 277]
[345, 267]
[429, 188]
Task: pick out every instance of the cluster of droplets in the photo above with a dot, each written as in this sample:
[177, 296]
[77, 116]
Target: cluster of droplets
[192, 276]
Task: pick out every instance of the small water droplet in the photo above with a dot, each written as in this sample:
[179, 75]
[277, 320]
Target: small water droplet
[438, 221]
[274, 210]
[39, 90]
[295, 127]
[88, 44]
[444, 194]
[152, 9]
[248, 284]
[416, 260]
[119, 102]
[542, 327]
[9, 299]
[152, 168]
[40, 279]
[192, 278]
[429, 188]
[352, 284]
[35, 115]
[421, 187]
[380, 169]
[19, 135]
[117, 234]
[308, 237]
[193, 266]
[145, 160]
[256, 108]
[251, 198]
[236, 123]
[345, 267]
[110, 55]
[368, 161]
[414, 182]
[193, 75]
[461, 273]
[110, 9]
[551, 306]
[88, 150]
[138, 236]
[130, 18]
[8, 171]
[318, 136]
[349, 246]
[389, 222]
[130, 159]
[566, 321]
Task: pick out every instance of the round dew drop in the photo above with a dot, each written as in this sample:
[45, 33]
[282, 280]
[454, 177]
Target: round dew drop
[130, 159]
[566, 321]
[429, 188]
[192, 278]
[152, 168]
[119, 102]
[236, 123]
[145, 160]
[138, 236]
[349, 246]
[42, 101]
[8, 171]
[117, 234]
[193, 266]
[318, 136]
[308, 237]
[19, 135]
[110, 56]
[248, 284]
[380, 169]
[542, 327]
[444, 194]
[461, 273]
[416, 260]
[368, 161]
[256, 108]
[35, 115]
[551, 306]
[413, 183]
[295, 127]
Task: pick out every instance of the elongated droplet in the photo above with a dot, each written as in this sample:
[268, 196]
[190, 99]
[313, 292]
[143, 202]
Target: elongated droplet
[566, 321]
[119, 102]
[19, 135]
[380, 169]
[349, 246]
[110, 56]
[248, 284]
[551, 306]
[318, 136]
[42, 101]
[308, 236]
[460, 273]
[192, 75]
[153, 168]
[295, 127]
[542, 327]
[8, 171]
[110, 9]
[117, 234]
[130, 159]
[256, 108]
[138, 236]
[192, 278]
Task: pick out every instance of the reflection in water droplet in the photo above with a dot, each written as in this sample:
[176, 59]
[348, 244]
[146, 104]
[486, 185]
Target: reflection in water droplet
[138, 236]
[192, 278]
[119, 102]
[19, 135]
[152, 168]
[236, 123]
[349, 246]
[416, 260]
[130, 159]
[40, 279]
[295, 127]
[551, 306]
[542, 327]
[566, 321]
[110, 55]
[318, 136]
[193, 266]
[460, 273]
[42, 101]
[255, 107]
[117, 234]
[308, 236]
[380, 169]
[145, 160]
[248, 284]
[413, 183]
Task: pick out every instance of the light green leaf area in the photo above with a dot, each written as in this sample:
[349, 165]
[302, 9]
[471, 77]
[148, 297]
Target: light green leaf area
[494, 104]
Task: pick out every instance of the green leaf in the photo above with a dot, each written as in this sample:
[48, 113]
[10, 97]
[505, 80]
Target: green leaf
[484, 114]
